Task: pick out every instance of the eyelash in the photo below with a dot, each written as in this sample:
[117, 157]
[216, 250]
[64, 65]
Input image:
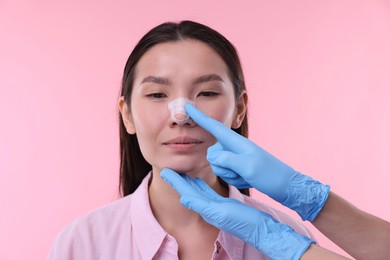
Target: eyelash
[158, 95]
[208, 94]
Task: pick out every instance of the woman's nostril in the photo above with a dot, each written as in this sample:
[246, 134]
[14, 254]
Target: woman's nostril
[180, 116]
[177, 110]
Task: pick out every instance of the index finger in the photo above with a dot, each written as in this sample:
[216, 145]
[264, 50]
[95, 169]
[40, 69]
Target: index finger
[178, 182]
[227, 137]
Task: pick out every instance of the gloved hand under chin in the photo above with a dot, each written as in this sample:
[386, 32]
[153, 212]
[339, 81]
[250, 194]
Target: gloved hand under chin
[261, 230]
[243, 164]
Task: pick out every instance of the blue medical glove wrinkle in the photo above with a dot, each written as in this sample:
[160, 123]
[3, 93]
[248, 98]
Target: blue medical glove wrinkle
[261, 230]
[242, 163]
[303, 196]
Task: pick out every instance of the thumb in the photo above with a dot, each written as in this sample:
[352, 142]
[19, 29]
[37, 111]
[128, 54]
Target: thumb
[228, 160]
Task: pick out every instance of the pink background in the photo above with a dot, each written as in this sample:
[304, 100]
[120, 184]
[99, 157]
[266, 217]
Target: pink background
[318, 74]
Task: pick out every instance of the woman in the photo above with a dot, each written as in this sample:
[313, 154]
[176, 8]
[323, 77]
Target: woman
[185, 61]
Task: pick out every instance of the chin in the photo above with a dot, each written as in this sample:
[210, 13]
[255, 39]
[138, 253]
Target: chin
[193, 168]
[184, 170]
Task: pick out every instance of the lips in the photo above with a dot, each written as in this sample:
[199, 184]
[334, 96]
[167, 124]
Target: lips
[183, 145]
[183, 140]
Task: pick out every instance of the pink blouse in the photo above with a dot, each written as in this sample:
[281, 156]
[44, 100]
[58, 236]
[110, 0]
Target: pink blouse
[127, 229]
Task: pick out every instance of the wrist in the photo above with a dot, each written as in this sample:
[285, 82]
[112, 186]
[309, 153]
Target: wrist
[284, 243]
[306, 196]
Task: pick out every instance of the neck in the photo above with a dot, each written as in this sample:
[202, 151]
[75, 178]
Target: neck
[165, 202]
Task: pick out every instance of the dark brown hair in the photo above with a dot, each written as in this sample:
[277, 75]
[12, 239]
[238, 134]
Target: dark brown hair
[133, 166]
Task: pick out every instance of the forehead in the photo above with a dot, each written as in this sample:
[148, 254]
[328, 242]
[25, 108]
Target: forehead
[189, 57]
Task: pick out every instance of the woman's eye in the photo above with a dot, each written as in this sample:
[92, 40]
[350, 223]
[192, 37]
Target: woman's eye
[208, 94]
[156, 95]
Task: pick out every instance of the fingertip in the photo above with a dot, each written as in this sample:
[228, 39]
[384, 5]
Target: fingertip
[174, 179]
[197, 115]
[189, 108]
[162, 173]
[185, 201]
[167, 174]
[188, 105]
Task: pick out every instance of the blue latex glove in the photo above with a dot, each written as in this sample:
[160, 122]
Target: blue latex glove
[242, 163]
[261, 230]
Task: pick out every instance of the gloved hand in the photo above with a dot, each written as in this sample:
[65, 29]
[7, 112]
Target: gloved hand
[261, 230]
[243, 164]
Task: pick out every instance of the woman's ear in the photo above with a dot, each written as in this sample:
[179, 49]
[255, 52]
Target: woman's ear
[126, 116]
[241, 108]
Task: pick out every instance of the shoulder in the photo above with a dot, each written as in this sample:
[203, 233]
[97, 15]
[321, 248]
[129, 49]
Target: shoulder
[105, 217]
[94, 230]
[278, 215]
[106, 232]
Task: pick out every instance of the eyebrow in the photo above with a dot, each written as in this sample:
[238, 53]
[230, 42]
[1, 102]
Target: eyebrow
[157, 80]
[199, 80]
[207, 78]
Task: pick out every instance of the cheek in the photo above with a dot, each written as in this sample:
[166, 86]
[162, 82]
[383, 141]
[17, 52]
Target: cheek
[149, 117]
[148, 122]
[222, 111]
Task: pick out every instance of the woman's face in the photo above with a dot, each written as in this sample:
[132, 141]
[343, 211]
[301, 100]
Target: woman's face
[188, 69]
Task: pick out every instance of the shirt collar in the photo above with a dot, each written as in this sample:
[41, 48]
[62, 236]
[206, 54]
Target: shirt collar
[232, 245]
[148, 233]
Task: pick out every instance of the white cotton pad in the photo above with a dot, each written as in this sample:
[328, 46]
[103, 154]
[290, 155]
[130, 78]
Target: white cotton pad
[178, 112]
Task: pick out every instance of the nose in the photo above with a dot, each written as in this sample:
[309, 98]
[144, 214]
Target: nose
[181, 119]
[178, 112]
